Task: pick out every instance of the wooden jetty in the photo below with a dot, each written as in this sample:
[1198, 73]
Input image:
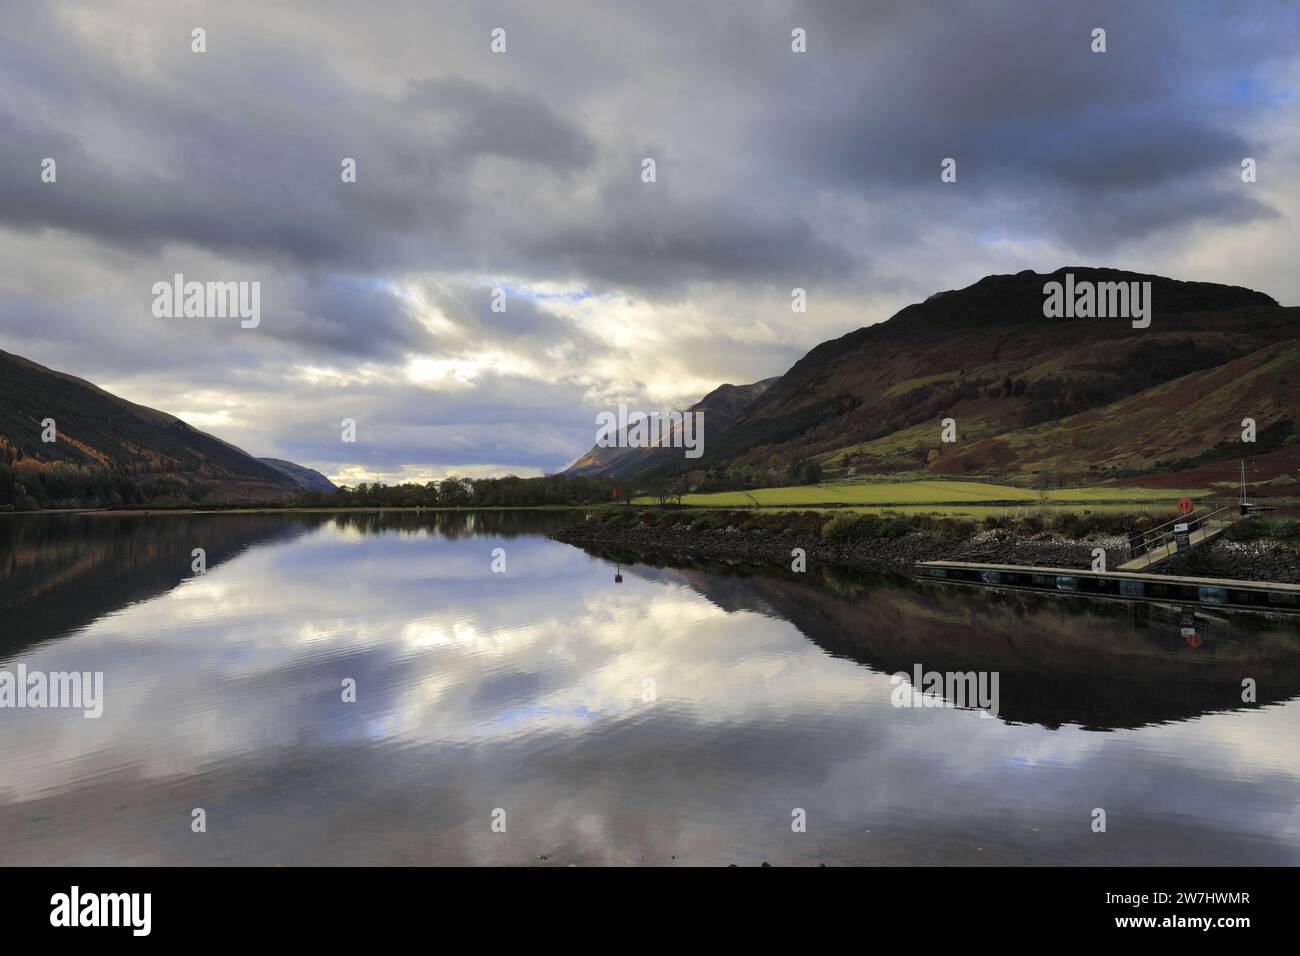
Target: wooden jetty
[1118, 585]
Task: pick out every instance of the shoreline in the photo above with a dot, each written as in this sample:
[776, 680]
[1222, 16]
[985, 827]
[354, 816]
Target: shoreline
[410, 509]
[1265, 560]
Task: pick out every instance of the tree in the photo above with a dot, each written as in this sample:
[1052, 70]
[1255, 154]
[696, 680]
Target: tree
[806, 472]
[661, 489]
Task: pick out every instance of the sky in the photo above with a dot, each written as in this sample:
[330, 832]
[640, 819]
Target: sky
[522, 171]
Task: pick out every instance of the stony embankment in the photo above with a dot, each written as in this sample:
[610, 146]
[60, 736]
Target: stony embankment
[1256, 560]
[760, 546]
[1263, 560]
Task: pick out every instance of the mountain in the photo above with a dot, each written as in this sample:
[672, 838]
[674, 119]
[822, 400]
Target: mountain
[306, 478]
[111, 451]
[720, 408]
[1052, 398]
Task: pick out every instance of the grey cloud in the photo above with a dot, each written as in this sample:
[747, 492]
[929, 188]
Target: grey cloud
[1033, 117]
[356, 316]
[775, 170]
[256, 182]
[525, 324]
[501, 419]
[502, 122]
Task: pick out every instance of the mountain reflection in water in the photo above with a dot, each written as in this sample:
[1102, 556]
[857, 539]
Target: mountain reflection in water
[676, 717]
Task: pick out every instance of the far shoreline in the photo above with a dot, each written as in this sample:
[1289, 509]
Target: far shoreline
[260, 510]
[952, 509]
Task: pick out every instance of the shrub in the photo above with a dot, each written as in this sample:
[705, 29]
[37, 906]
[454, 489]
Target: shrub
[955, 529]
[1258, 528]
[841, 527]
[1069, 524]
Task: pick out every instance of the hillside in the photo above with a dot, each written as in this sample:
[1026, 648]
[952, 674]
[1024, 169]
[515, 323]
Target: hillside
[720, 408]
[111, 451]
[1050, 399]
[1190, 424]
[307, 479]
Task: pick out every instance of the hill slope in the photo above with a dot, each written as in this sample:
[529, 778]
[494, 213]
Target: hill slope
[309, 479]
[986, 356]
[109, 450]
[720, 408]
[1192, 423]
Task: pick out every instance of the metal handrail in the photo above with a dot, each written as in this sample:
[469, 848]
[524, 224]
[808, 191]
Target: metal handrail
[1149, 544]
[1181, 518]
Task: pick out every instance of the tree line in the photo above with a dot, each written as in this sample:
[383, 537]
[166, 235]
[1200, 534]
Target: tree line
[32, 487]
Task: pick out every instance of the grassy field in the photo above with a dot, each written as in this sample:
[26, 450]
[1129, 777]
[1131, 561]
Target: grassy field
[1015, 510]
[921, 493]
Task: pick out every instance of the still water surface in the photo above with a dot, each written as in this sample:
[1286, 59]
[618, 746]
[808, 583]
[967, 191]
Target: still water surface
[676, 716]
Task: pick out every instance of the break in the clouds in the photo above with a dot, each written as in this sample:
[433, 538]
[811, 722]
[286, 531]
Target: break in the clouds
[521, 171]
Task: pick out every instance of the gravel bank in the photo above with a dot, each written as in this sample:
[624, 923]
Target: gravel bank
[1253, 561]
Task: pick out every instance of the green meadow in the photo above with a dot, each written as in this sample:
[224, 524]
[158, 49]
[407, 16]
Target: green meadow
[926, 493]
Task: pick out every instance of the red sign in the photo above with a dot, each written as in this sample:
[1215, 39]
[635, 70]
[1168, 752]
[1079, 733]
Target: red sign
[617, 492]
[1185, 506]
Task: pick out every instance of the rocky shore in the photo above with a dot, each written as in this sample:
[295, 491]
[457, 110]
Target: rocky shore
[1241, 560]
